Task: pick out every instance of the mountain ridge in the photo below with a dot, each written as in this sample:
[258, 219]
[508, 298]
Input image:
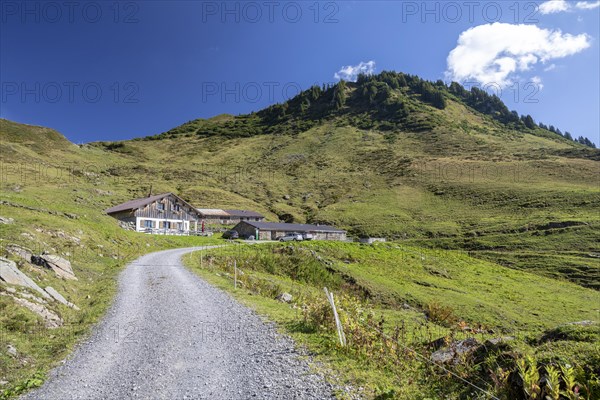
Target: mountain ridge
[386, 101]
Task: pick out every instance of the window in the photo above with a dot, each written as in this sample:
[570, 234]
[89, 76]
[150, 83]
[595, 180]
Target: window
[160, 206]
[148, 223]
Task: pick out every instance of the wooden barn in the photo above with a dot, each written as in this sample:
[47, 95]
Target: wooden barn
[272, 230]
[165, 214]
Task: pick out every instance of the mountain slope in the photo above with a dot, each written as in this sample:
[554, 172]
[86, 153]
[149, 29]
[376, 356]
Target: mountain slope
[391, 155]
[395, 164]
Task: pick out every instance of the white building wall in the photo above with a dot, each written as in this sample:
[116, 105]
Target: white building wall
[156, 221]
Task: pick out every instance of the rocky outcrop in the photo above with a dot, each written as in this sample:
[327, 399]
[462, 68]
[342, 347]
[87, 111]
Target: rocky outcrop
[59, 265]
[456, 352]
[6, 221]
[10, 274]
[24, 294]
[59, 297]
[19, 251]
[51, 319]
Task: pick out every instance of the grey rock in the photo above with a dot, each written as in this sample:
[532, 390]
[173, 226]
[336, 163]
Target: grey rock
[455, 352]
[442, 356]
[19, 251]
[51, 319]
[58, 297]
[12, 350]
[6, 220]
[582, 323]
[32, 297]
[10, 274]
[59, 265]
[130, 226]
[285, 297]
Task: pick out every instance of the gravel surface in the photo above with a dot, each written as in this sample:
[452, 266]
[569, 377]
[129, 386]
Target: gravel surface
[170, 335]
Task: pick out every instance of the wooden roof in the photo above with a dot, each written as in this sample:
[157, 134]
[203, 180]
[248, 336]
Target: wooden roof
[142, 202]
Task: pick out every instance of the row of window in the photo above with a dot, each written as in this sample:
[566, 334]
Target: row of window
[161, 206]
[148, 223]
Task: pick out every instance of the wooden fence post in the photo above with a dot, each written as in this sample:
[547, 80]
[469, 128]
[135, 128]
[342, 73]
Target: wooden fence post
[338, 323]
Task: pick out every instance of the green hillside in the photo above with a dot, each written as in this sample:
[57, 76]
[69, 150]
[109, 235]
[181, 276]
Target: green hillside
[382, 157]
[399, 303]
[424, 165]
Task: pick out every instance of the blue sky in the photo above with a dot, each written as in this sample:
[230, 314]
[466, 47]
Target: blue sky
[103, 70]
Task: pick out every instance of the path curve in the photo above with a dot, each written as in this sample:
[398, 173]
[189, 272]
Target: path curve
[170, 335]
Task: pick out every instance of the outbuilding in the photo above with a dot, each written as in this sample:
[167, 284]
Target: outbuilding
[228, 217]
[273, 230]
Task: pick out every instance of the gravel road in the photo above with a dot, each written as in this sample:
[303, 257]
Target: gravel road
[170, 335]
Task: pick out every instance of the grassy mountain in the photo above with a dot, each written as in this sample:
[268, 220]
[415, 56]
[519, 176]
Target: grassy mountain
[422, 164]
[393, 155]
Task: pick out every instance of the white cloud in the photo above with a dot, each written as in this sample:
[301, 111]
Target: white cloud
[493, 53]
[550, 67]
[587, 5]
[351, 72]
[556, 6]
[537, 81]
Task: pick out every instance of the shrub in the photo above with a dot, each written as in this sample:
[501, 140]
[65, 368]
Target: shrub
[440, 314]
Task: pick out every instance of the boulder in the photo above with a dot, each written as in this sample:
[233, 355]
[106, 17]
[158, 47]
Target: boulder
[285, 297]
[10, 274]
[6, 221]
[442, 356]
[59, 297]
[59, 265]
[10, 349]
[19, 251]
[457, 351]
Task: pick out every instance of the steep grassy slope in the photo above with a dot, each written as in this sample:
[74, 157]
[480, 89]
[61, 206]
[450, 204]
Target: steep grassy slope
[468, 183]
